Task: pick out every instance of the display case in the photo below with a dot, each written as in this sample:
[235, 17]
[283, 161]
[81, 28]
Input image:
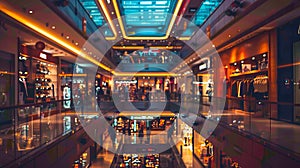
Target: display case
[45, 81]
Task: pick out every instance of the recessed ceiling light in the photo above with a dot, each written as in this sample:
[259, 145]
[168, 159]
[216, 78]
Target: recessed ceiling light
[253, 58]
[213, 45]
[229, 35]
[112, 13]
[76, 43]
[53, 27]
[242, 62]
[30, 11]
[235, 63]
[67, 37]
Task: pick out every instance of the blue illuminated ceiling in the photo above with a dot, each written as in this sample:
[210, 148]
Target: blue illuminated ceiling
[95, 14]
[146, 17]
[206, 9]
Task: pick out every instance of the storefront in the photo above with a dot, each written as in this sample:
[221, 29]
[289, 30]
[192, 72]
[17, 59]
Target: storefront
[102, 87]
[204, 80]
[247, 74]
[66, 83]
[132, 124]
[139, 161]
[203, 150]
[37, 74]
[288, 71]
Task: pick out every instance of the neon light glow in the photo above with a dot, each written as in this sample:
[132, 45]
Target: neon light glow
[145, 21]
[55, 38]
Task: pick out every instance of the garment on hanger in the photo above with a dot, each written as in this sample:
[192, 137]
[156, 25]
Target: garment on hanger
[234, 89]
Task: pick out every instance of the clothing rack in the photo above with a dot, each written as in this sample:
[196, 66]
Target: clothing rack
[255, 87]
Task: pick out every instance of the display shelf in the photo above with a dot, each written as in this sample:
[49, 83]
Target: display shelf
[254, 72]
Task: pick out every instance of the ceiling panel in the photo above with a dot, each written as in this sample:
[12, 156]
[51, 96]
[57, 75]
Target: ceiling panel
[94, 12]
[146, 17]
[205, 10]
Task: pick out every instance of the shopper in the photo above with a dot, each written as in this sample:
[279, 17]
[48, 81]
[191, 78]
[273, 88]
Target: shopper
[209, 92]
[168, 95]
[141, 134]
[179, 94]
[148, 132]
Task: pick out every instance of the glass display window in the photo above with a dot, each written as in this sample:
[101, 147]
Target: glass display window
[45, 80]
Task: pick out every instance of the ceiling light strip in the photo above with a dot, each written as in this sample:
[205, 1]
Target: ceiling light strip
[152, 74]
[176, 11]
[56, 39]
[111, 24]
[142, 47]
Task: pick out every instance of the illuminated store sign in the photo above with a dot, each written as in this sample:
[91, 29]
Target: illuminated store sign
[203, 66]
[143, 117]
[126, 82]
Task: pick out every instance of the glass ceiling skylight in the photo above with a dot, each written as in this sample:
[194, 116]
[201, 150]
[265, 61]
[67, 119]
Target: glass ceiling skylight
[146, 17]
[94, 12]
[206, 9]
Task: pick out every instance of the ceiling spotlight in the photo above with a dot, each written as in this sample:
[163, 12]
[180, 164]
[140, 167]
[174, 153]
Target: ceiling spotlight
[30, 11]
[235, 64]
[67, 37]
[53, 27]
[253, 58]
[76, 43]
[264, 55]
[242, 62]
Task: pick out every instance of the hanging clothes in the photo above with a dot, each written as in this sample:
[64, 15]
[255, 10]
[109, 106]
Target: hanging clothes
[234, 87]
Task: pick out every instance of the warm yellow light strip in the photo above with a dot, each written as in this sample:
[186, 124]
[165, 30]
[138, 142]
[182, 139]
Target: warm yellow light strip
[178, 5]
[107, 15]
[184, 38]
[142, 47]
[29, 23]
[128, 47]
[6, 73]
[145, 74]
[70, 75]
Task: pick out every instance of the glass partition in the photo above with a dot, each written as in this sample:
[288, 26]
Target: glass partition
[25, 128]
